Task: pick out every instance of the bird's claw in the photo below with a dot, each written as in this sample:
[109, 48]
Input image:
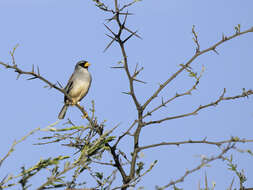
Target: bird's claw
[85, 115]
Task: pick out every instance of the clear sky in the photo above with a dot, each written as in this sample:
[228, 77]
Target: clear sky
[56, 34]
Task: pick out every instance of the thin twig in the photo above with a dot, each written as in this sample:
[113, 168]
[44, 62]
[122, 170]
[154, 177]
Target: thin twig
[15, 143]
[196, 55]
[195, 112]
[164, 103]
[203, 163]
[204, 141]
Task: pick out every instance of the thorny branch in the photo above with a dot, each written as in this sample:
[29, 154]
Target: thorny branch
[15, 143]
[137, 179]
[195, 112]
[139, 123]
[93, 123]
[204, 141]
[131, 79]
[128, 179]
[188, 63]
[177, 95]
[37, 75]
[203, 163]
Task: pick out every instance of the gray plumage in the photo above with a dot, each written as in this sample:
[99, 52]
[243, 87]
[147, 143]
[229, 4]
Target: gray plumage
[77, 86]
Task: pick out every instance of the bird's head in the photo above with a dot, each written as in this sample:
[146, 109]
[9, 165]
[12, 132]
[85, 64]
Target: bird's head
[83, 64]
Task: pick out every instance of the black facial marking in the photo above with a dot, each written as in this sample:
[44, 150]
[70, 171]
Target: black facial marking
[82, 64]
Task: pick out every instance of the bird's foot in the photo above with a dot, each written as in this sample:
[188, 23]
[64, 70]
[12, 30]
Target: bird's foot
[85, 115]
[72, 103]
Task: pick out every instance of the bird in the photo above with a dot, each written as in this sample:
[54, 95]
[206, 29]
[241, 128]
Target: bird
[77, 87]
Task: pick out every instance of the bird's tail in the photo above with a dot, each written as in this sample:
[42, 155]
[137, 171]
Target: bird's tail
[63, 111]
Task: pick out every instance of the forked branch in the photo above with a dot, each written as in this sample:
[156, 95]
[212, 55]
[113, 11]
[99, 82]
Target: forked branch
[188, 63]
[195, 112]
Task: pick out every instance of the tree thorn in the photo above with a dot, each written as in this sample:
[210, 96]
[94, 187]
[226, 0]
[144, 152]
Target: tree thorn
[128, 93]
[216, 51]
[110, 30]
[129, 36]
[18, 76]
[133, 33]
[35, 77]
[109, 45]
[38, 70]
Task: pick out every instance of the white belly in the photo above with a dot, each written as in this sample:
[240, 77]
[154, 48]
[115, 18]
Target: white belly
[80, 88]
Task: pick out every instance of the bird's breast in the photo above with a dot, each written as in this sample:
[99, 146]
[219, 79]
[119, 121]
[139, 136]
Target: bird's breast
[80, 87]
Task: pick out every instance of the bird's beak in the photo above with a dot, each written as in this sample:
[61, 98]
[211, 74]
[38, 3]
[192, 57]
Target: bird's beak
[87, 64]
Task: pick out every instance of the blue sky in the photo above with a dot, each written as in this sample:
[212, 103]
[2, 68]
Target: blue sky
[56, 34]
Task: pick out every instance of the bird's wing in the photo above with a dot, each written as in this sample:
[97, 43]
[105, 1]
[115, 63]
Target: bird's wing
[69, 86]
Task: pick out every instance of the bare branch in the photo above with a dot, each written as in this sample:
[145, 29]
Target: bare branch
[137, 71]
[164, 103]
[134, 177]
[121, 27]
[21, 72]
[137, 104]
[127, 5]
[15, 143]
[12, 54]
[131, 35]
[231, 185]
[137, 179]
[195, 112]
[126, 133]
[50, 84]
[203, 163]
[197, 54]
[103, 163]
[195, 39]
[204, 141]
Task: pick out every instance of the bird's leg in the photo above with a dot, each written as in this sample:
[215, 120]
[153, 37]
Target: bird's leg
[85, 115]
[73, 102]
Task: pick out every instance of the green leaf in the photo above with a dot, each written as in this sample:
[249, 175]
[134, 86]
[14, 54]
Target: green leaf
[99, 175]
[140, 167]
